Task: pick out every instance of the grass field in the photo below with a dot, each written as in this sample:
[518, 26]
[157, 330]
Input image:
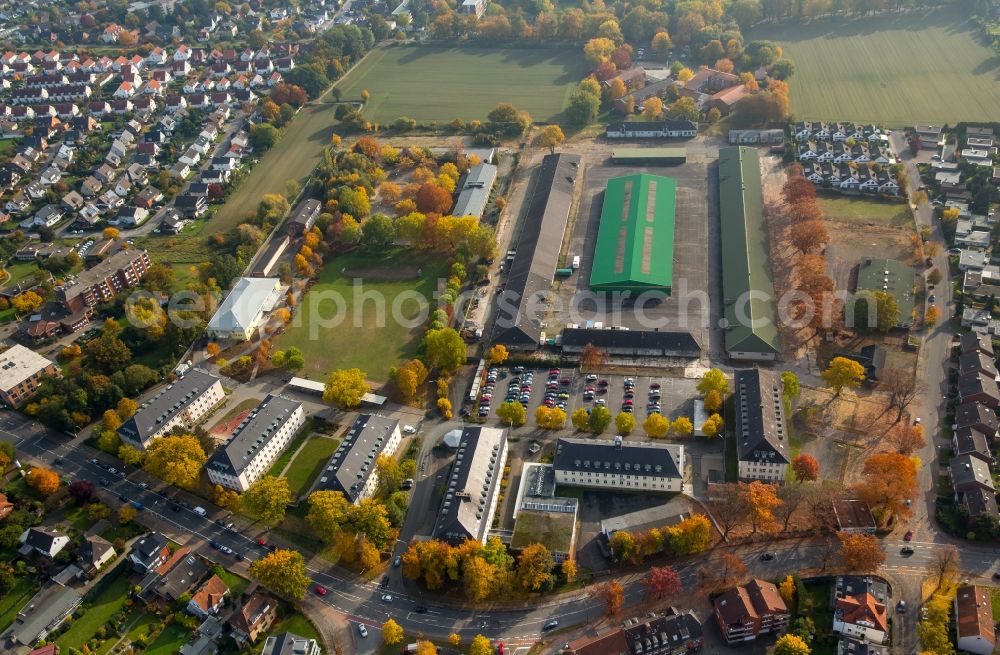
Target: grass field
[170, 640]
[920, 67]
[441, 84]
[14, 599]
[102, 607]
[309, 462]
[359, 338]
[857, 209]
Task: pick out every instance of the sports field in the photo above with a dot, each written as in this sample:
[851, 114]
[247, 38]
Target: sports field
[344, 325]
[441, 84]
[920, 67]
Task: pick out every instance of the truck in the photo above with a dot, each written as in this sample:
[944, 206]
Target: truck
[200, 511]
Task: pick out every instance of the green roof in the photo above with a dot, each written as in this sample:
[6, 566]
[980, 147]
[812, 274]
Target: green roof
[650, 153]
[554, 530]
[635, 241]
[893, 276]
[747, 289]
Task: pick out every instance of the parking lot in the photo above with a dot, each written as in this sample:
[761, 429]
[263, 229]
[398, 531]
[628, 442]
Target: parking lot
[676, 395]
[695, 271]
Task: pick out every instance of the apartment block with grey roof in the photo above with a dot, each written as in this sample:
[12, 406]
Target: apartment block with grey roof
[470, 499]
[184, 402]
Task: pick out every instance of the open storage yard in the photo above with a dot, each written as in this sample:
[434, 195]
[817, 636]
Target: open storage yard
[441, 84]
[897, 70]
[353, 341]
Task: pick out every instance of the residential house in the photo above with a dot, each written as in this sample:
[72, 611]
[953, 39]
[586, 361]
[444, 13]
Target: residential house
[979, 387]
[972, 481]
[43, 541]
[44, 613]
[974, 628]
[95, 553]
[191, 206]
[149, 553]
[73, 201]
[671, 633]
[861, 615]
[209, 598]
[973, 442]
[254, 618]
[978, 416]
[744, 613]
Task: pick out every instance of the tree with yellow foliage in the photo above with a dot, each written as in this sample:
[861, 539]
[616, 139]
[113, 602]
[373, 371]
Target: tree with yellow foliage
[787, 589]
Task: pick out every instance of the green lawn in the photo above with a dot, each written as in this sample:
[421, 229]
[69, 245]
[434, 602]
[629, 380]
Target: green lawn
[310, 462]
[920, 67]
[7, 147]
[995, 600]
[236, 584]
[295, 623]
[859, 209]
[441, 84]
[333, 331]
[170, 640]
[19, 271]
[286, 456]
[13, 600]
[102, 607]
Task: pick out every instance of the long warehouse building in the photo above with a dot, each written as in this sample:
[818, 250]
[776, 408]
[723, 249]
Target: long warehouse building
[519, 325]
[747, 289]
[635, 240]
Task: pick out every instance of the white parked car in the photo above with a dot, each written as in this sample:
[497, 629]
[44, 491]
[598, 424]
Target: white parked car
[409, 429]
[362, 630]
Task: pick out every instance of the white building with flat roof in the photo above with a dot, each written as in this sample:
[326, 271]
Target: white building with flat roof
[21, 370]
[245, 308]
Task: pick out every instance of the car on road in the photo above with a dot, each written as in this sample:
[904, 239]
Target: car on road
[386, 598]
[908, 536]
[215, 544]
[261, 541]
[385, 581]
[321, 590]
[399, 560]
[58, 461]
[767, 557]
[906, 550]
[996, 575]
[901, 607]
[362, 630]
[931, 299]
[551, 625]
[227, 550]
[105, 482]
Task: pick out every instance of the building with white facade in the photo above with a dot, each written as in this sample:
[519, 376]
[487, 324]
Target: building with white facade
[184, 402]
[21, 371]
[289, 643]
[351, 468]
[470, 500]
[974, 629]
[245, 308]
[761, 430]
[619, 465]
[860, 610]
[256, 442]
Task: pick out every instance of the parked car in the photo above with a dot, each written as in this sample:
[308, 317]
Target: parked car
[362, 630]
[321, 590]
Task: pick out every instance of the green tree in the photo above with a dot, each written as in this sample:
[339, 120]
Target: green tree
[582, 108]
[370, 518]
[176, 460]
[377, 232]
[445, 349]
[264, 136]
[843, 372]
[550, 137]
[346, 387]
[327, 513]
[284, 572]
[534, 567]
[266, 499]
[876, 310]
[599, 420]
[507, 120]
[790, 385]
[512, 413]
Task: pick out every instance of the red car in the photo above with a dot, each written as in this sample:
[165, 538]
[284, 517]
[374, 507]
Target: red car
[261, 541]
[321, 590]
[908, 536]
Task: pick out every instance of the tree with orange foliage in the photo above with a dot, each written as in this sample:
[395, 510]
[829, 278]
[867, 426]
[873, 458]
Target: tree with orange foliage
[750, 82]
[797, 189]
[906, 437]
[808, 236]
[805, 210]
[725, 65]
[613, 595]
[617, 89]
[390, 192]
[432, 199]
[662, 581]
[806, 468]
[889, 480]
[761, 500]
[43, 480]
[861, 552]
[368, 146]
[213, 349]
[932, 315]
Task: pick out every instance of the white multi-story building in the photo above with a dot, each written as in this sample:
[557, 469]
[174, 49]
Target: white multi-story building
[470, 500]
[351, 469]
[289, 643]
[21, 372]
[184, 402]
[256, 442]
[761, 433]
[619, 465]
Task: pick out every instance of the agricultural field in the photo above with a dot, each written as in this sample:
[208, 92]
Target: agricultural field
[848, 208]
[334, 331]
[920, 67]
[441, 84]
